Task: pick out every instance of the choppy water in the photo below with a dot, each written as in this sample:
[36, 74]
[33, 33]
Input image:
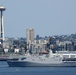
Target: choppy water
[5, 70]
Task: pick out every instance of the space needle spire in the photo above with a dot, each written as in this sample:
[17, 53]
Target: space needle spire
[2, 23]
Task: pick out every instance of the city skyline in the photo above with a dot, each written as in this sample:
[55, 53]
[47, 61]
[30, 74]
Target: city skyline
[46, 17]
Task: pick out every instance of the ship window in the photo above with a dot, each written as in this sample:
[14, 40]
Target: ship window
[65, 56]
[72, 56]
[33, 59]
[23, 58]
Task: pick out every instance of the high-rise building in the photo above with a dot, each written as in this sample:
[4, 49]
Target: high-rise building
[30, 35]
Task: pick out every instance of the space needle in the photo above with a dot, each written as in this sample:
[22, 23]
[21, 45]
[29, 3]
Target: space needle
[2, 8]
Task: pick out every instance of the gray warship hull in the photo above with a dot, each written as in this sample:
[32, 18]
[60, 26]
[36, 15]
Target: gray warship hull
[49, 60]
[32, 64]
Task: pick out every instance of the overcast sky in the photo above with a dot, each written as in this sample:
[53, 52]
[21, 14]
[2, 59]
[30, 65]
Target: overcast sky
[47, 17]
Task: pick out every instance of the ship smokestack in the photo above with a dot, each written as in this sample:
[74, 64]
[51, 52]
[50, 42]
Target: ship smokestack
[50, 53]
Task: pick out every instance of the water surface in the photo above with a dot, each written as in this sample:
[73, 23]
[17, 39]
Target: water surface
[5, 70]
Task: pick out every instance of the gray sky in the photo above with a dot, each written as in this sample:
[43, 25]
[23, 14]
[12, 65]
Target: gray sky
[47, 17]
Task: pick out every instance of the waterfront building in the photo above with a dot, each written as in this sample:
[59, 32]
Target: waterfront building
[68, 45]
[16, 50]
[6, 43]
[37, 46]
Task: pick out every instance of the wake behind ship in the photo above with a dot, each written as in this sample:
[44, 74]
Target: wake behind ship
[50, 60]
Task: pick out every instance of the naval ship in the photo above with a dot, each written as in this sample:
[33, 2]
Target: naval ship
[45, 60]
